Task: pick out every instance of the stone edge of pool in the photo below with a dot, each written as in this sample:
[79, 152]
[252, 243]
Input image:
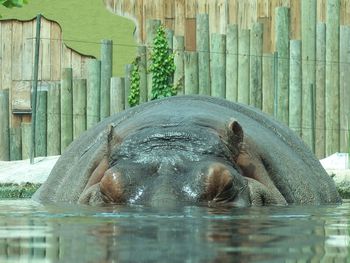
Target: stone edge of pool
[20, 179]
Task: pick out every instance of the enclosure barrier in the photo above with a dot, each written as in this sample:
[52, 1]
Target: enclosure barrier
[304, 83]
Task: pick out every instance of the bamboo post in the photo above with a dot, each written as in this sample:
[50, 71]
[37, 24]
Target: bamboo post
[4, 127]
[256, 49]
[151, 31]
[117, 95]
[202, 44]
[320, 123]
[53, 120]
[191, 73]
[15, 144]
[26, 139]
[332, 77]
[232, 62]
[308, 32]
[66, 108]
[106, 74]
[79, 107]
[41, 124]
[142, 52]
[268, 84]
[93, 92]
[127, 84]
[218, 65]
[295, 87]
[179, 74]
[282, 47]
[344, 87]
[243, 65]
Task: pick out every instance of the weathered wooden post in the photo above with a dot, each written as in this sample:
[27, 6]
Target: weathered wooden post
[268, 83]
[66, 108]
[79, 107]
[4, 126]
[344, 87]
[308, 32]
[256, 50]
[243, 65]
[282, 47]
[93, 83]
[117, 95]
[232, 62]
[26, 139]
[295, 87]
[151, 31]
[191, 73]
[41, 124]
[15, 144]
[218, 65]
[332, 77]
[179, 74]
[127, 84]
[202, 44]
[106, 74]
[53, 120]
[142, 53]
[320, 123]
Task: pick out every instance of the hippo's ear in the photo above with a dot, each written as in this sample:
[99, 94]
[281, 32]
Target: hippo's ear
[235, 132]
[235, 138]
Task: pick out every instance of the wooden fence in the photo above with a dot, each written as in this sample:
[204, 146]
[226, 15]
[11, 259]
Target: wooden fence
[304, 84]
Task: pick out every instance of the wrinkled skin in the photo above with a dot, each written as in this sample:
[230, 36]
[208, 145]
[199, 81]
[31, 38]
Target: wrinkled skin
[189, 150]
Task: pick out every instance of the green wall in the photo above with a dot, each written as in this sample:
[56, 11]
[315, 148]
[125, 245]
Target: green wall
[84, 23]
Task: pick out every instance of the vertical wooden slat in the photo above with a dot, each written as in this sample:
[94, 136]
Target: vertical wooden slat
[282, 47]
[53, 120]
[76, 64]
[45, 50]
[93, 92]
[202, 45]
[55, 51]
[17, 50]
[4, 127]
[106, 74]
[179, 75]
[308, 30]
[79, 107]
[344, 88]
[232, 62]
[27, 66]
[117, 95]
[6, 54]
[127, 84]
[268, 83]
[15, 144]
[191, 73]
[332, 77]
[320, 90]
[295, 87]
[26, 139]
[41, 123]
[218, 65]
[66, 108]
[256, 50]
[243, 65]
[66, 57]
[179, 17]
[142, 53]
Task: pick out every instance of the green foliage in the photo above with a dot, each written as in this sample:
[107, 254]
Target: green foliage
[162, 67]
[134, 96]
[13, 3]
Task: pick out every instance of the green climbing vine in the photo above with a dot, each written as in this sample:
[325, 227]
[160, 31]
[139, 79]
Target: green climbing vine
[162, 67]
[134, 96]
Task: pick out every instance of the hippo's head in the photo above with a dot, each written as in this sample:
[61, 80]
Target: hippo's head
[174, 164]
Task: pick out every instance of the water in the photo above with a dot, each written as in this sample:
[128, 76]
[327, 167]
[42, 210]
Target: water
[30, 232]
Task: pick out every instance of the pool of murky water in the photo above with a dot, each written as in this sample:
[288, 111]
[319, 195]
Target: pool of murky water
[30, 232]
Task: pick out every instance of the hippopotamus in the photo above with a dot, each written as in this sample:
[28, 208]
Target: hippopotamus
[189, 150]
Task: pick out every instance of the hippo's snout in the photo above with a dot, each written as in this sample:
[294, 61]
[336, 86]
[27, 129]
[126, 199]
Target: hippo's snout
[111, 187]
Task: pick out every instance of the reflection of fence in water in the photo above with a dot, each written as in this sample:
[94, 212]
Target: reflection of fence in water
[301, 84]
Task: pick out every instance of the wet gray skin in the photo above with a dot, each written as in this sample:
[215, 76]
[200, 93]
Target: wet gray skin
[189, 150]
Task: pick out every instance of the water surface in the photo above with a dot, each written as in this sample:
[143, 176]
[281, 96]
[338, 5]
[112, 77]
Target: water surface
[71, 233]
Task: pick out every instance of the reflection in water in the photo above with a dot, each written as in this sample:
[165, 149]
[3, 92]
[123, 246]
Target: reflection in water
[70, 233]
